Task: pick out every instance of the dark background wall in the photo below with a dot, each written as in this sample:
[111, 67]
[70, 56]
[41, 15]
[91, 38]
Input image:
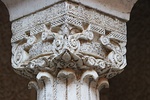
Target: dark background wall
[12, 86]
[132, 84]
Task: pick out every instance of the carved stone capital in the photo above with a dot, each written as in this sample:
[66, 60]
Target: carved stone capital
[68, 35]
[68, 45]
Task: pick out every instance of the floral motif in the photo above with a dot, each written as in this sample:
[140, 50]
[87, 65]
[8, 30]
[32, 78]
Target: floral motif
[68, 40]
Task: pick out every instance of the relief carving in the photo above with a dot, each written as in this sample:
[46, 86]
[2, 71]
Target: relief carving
[69, 40]
[66, 43]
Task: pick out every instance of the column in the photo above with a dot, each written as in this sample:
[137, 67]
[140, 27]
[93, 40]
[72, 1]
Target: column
[69, 49]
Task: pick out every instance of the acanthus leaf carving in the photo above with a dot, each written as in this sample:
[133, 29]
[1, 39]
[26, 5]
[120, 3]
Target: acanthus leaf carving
[69, 35]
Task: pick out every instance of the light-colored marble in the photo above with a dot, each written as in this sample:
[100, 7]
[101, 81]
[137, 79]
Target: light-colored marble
[69, 35]
[69, 49]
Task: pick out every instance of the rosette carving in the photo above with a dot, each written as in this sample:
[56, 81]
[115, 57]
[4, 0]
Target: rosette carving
[19, 57]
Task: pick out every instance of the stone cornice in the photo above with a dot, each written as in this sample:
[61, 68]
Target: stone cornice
[117, 8]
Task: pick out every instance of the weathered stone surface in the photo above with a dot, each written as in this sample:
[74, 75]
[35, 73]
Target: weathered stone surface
[68, 48]
[68, 35]
[134, 73]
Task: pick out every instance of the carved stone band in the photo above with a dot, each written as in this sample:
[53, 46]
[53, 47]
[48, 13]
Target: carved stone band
[68, 36]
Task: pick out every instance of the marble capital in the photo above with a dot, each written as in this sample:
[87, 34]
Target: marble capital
[68, 35]
[70, 48]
